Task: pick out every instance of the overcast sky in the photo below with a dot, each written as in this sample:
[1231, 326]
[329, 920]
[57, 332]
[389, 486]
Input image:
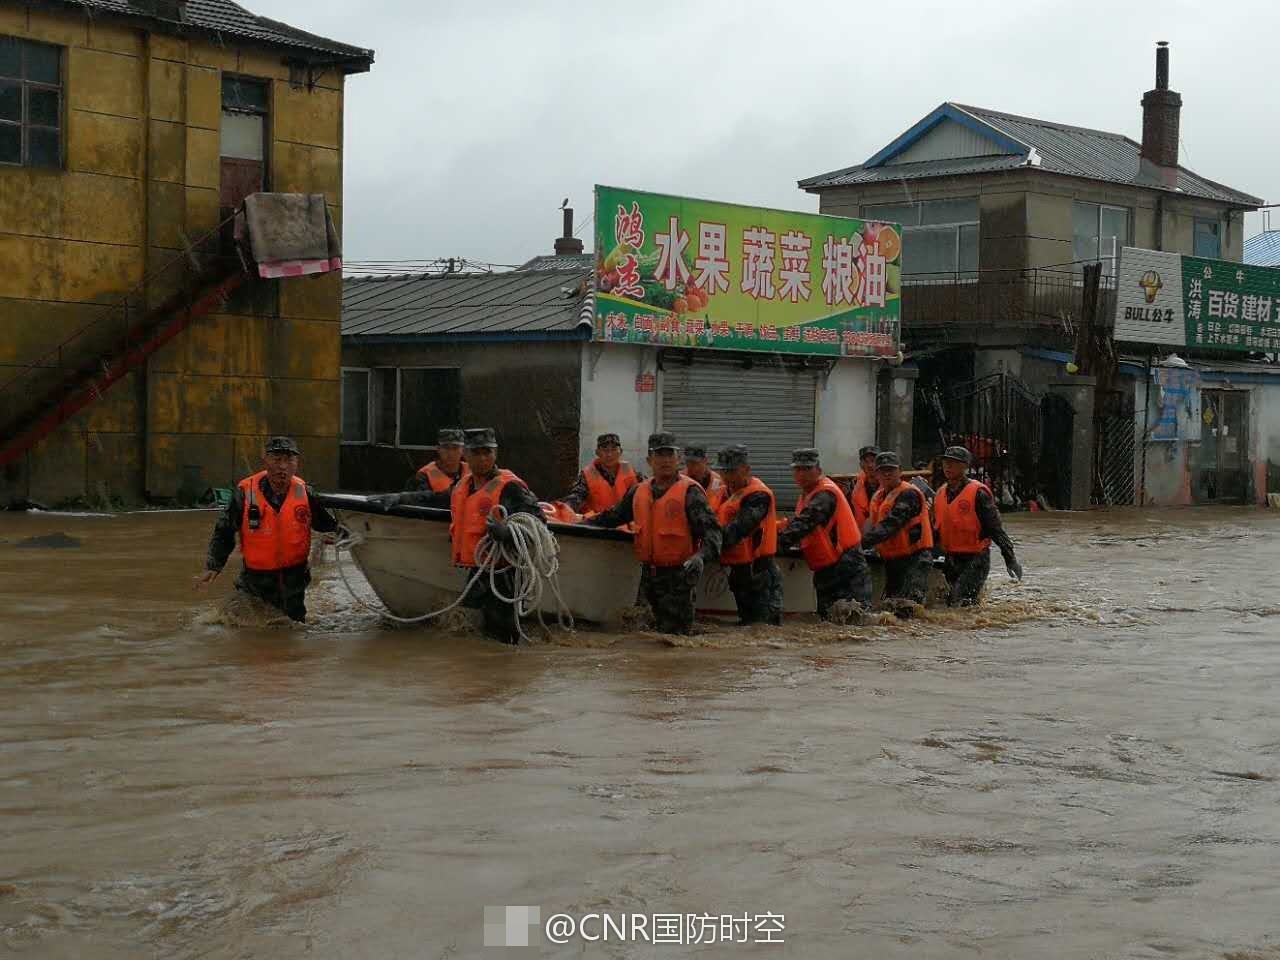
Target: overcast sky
[478, 119]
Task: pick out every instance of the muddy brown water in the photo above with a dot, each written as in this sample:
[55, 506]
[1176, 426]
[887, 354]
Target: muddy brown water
[1089, 767]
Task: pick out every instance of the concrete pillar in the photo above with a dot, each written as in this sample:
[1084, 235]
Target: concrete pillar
[1079, 392]
[897, 403]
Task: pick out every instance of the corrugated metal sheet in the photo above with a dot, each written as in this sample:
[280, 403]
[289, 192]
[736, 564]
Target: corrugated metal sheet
[225, 17]
[947, 141]
[1263, 250]
[480, 304]
[769, 408]
[1058, 148]
[555, 261]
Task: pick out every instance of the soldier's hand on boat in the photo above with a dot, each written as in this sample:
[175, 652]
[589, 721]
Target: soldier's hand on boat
[693, 569]
[1014, 567]
[384, 501]
[500, 531]
[203, 580]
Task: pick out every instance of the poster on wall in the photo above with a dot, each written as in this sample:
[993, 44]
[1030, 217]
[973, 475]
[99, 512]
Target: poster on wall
[1179, 301]
[681, 272]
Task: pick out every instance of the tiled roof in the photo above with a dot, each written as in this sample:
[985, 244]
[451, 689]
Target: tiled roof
[228, 19]
[475, 305]
[1038, 145]
[1263, 250]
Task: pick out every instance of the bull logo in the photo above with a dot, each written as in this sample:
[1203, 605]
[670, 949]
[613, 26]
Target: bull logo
[1150, 284]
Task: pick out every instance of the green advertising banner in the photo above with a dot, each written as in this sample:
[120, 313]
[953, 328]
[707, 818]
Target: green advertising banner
[1231, 306]
[695, 273]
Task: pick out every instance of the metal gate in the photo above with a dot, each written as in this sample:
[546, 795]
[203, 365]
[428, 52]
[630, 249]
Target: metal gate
[999, 420]
[1115, 483]
[769, 407]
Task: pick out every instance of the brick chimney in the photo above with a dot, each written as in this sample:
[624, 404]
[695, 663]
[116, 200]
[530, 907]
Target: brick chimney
[568, 245]
[1161, 113]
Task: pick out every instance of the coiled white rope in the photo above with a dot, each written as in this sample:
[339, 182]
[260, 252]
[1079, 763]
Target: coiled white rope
[533, 557]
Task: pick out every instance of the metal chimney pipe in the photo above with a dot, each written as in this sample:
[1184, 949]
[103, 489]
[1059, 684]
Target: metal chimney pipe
[1162, 65]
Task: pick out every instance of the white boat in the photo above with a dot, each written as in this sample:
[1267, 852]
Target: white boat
[404, 555]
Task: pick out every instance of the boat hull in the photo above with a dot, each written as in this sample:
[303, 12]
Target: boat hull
[404, 554]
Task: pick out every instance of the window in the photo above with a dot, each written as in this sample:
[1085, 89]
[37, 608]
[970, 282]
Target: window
[939, 237]
[355, 405]
[1097, 233]
[429, 400]
[1206, 239]
[30, 103]
[384, 403]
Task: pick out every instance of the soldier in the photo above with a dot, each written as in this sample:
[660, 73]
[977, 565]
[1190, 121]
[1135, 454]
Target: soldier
[473, 501]
[602, 483]
[676, 534]
[968, 521]
[901, 532]
[824, 528]
[749, 518]
[696, 468]
[432, 486]
[273, 512]
[865, 485]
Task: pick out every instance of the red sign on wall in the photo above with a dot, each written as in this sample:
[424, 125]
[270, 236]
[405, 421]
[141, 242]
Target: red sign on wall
[646, 383]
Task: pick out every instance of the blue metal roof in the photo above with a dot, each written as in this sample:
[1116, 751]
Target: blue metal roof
[1263, 250]
[1036, 144]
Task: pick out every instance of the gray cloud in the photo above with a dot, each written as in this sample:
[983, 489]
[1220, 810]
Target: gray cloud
[478, 119]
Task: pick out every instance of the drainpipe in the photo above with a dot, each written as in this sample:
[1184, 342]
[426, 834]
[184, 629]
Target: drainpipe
[1159, 221]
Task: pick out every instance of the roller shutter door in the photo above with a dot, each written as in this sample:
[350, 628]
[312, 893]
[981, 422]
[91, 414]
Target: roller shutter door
[770, 409]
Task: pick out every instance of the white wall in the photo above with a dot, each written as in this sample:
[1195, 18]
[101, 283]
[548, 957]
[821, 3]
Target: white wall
[846, 414]
[610, 403]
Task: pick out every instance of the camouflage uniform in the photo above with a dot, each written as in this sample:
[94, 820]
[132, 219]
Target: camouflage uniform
[756, 586]
[846, 579]
[906, 578]
[967, 574]
[283, 589]
[667, 589]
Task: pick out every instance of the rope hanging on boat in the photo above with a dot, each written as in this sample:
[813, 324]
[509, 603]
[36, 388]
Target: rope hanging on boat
[533, 556]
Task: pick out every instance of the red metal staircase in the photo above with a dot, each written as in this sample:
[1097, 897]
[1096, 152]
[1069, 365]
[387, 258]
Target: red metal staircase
[49, 391]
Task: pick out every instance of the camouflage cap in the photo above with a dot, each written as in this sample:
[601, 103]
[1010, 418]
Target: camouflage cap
[450, 437]
[663, 441]
[888, 459]
[283, 445]
[695, 451]
[608, 440]
[733, 456]
[806, 457]
[959, 454]
[868, 451]
[480, 438]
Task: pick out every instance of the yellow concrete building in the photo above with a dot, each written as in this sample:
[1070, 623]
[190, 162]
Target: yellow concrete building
[129, 131]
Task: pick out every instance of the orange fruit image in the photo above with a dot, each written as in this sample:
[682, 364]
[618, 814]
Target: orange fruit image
[890, 243]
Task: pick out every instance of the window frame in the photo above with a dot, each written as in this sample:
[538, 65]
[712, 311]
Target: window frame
[1216, 223]
[24, 124]
[368, 403]
[400, 396]
[957, 276]
[1121, 242]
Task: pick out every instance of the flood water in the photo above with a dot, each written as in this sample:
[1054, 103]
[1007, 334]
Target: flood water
[1087, 768]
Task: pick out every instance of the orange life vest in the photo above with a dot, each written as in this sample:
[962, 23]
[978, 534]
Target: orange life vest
[283, 539]
[827, 544]
[900, 544]
[663, 537]
[715, 488]
[860, 501]
[743, 551]
[441, 482]
[601, 494]
[471, 514]
[959, 528]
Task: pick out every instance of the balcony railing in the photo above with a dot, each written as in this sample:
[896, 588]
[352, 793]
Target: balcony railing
[1039, 297]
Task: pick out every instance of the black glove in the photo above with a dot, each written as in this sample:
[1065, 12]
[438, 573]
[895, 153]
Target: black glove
[1014, 567]
[384, 501]
[500, 532]
[693, 568]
